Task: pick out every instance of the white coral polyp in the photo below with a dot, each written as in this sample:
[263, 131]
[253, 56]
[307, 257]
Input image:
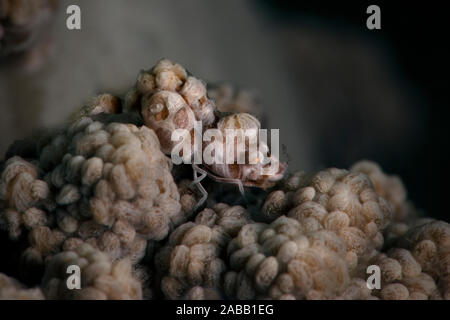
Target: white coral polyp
[101, 278]
[107, 184]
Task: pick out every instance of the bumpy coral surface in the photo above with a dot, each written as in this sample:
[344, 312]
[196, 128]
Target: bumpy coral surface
[283, 260]
[11, 289]
[100, 193]
[191, 264]
[107, 184]
[418, 269]
[339, 201]
[402, 277]
[390, 188]
[101, 278]
[429, 243]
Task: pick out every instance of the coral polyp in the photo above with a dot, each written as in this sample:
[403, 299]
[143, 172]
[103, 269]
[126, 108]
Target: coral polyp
[101, 193]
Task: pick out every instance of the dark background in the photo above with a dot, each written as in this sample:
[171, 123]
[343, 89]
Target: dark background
[416, 35]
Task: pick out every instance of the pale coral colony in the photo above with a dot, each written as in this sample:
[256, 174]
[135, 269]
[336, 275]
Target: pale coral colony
[101, 192]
